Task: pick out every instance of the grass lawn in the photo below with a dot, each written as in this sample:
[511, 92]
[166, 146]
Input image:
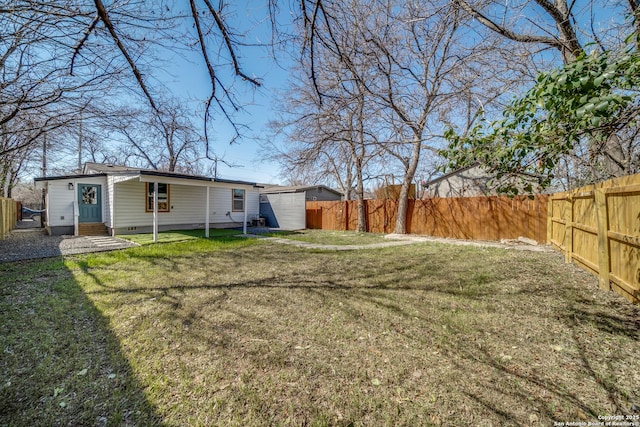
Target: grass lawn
[178, 235]
[247, 332]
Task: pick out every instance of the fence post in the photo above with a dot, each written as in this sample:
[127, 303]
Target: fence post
[549, 220]
[2, 222]
[568, 230]
[346, 215]
[603, 238]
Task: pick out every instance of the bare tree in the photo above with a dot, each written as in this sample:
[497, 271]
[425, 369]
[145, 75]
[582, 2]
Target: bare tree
[44, 88]
[408, 58]
[55, 55]
[166, 139]
[333, 134]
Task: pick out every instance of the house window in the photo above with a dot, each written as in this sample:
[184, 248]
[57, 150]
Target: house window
[163, 197]
[238, 200]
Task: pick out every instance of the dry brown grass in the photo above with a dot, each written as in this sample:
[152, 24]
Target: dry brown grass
[428, 334]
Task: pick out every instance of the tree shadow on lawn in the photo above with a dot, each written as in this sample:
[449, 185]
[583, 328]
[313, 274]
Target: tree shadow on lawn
[556, 374]
[61, 364]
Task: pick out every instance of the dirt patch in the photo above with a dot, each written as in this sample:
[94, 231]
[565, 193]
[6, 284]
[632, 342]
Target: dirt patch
[521, 244]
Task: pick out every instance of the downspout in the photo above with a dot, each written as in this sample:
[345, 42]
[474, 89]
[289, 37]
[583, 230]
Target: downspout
[244, 226]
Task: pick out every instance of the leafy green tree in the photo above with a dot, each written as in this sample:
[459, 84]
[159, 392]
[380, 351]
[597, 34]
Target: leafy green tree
[591, 102]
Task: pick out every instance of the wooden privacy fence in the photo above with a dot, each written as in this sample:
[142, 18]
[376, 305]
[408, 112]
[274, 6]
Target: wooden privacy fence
[477, 218]
[598, 228]
[8, 216]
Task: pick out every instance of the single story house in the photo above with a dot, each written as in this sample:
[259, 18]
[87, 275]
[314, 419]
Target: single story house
[285, 206]
[108, 199]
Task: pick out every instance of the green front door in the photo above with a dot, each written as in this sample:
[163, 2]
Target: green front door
[89, 203]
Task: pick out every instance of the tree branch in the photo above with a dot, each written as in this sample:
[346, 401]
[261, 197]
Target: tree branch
[104, 17]
[87, 33]
[523, 38]
[225, 35]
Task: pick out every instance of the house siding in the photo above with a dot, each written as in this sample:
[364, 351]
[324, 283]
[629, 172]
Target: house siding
[60, 215]
[472, 182]
[467, 183]
[188, 206]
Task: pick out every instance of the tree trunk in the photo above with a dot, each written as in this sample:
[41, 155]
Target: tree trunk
[403, 200]
[362, 207]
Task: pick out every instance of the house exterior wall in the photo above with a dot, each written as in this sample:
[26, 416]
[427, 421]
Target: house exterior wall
[60, 214]
[468, 183]
[187, 207]
[472, 182]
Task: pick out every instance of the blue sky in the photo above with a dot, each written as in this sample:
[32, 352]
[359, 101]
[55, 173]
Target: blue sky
[188, 78]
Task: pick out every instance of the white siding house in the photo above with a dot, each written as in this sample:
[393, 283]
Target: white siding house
[122, 200]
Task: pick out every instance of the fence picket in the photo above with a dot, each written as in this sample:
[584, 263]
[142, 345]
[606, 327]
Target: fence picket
[8, 216]
[604, 232]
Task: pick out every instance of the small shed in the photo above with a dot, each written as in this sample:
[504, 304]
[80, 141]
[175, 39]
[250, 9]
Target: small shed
[285, 206]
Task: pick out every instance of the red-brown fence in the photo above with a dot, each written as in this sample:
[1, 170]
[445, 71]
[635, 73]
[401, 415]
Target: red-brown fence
[477, 218]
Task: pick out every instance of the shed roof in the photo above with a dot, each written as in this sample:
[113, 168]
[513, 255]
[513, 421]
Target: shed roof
[269, 188]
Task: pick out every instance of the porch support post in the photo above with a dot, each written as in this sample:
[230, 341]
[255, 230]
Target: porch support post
[206, 219]
[155, 212]
[244, 224]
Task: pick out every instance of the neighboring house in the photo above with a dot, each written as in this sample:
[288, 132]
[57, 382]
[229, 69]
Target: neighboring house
[107, 199]
[470, 181]
[285, 206]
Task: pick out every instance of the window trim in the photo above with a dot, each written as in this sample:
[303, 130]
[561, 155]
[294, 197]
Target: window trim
[233, 199]
[148, 197]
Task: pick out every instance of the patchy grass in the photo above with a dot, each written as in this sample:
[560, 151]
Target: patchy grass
[178, 235]
[324, 237]
[246, 332]
[60, 363]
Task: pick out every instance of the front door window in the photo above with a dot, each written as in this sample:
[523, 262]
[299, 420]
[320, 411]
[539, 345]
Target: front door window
[89, 203]
[89, 195]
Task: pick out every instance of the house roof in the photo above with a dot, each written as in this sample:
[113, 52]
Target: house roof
[98, 169]
[91, 168]
[269, 188]
[60, 177]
